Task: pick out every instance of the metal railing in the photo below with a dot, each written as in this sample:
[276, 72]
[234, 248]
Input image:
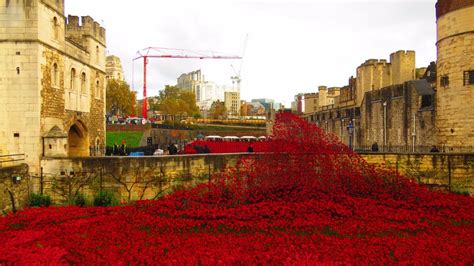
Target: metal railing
[11, 159]
[416, 149]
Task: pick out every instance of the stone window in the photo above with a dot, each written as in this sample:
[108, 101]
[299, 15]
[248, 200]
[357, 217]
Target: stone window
[97, 89]
[426, 101]
[469, 77]
[83, 83]
[55, 28]
[72, 81]
[55, 75]
[444, 81]
[97, 51]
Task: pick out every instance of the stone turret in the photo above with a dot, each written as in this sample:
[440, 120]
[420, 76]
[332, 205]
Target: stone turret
[403, 66]
[455, 72]
[88, 28]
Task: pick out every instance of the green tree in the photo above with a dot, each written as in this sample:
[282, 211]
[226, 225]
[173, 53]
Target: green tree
[120, 99]
[176, 102]
[218, 110]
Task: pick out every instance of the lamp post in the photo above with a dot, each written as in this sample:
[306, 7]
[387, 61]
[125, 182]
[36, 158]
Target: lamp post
[384, 125]
[354, 132]
[350, 129]
[342, 131]
[413, 135]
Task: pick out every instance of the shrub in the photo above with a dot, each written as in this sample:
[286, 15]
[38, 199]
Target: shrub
[80, 200]
[38, 200]
[105, 198]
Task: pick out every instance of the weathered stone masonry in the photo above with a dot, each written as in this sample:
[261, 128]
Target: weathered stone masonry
[52, 82]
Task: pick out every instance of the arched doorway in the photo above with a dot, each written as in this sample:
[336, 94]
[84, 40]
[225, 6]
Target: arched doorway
[78, 142]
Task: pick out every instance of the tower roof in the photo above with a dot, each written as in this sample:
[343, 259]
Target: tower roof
[445, 6]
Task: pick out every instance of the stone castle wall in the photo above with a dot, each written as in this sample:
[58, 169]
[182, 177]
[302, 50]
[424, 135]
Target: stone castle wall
[38, 55]
[404, 116]
[130, 178]
[14, 188]
[455, 115]
[454, 171]
[134, 178]
[375, 74]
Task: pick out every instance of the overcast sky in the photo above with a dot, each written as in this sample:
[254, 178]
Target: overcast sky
[292, 46]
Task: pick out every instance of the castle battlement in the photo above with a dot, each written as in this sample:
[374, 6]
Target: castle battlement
[87, 28]
[374, 62]
[58, 6]
[402, 54]
[320, 88]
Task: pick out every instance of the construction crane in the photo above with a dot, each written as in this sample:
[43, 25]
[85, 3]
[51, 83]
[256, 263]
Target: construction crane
[157, 52]
[236, 78]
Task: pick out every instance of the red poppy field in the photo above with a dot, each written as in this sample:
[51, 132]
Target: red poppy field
[310, 201]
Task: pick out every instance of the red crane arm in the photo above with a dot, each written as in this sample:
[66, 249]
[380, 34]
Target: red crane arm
[156, 52]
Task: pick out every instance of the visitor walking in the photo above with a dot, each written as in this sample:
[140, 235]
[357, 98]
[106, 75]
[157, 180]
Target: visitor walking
[434, 149]
[172, 149]
[375, 146]
[250, 148]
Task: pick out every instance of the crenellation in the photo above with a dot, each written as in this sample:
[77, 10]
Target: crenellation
[46, 48]
[72, 22]
[79, 31]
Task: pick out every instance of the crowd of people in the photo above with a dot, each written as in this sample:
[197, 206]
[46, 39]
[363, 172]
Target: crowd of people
[120, 150]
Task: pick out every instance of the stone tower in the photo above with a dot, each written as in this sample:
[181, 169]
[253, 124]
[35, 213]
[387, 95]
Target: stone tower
[455, 72]
[52, 82]
[113, 67]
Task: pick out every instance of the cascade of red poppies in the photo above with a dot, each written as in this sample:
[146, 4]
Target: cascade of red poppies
[308, 199]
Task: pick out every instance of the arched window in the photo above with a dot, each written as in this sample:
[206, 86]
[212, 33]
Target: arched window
[97, 51]
[55, 28]
[72, 81]
[83, 82]
[55, 75]
[97, 89]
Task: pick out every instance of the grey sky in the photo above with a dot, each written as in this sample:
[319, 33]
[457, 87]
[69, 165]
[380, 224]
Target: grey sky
[292, 47]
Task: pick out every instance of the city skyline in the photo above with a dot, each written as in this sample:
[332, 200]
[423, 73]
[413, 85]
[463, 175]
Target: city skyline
[291, 48]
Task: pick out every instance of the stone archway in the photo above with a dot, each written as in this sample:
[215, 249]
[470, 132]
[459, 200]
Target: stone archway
[78, 140]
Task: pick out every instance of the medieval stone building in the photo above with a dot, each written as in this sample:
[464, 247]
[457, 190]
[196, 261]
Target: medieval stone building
[52, 82]
[113, 68]
[401, 107]
[455, 79]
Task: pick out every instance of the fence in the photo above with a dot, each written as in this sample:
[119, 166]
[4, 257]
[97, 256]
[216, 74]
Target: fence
[11, 159]
[416, 149]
